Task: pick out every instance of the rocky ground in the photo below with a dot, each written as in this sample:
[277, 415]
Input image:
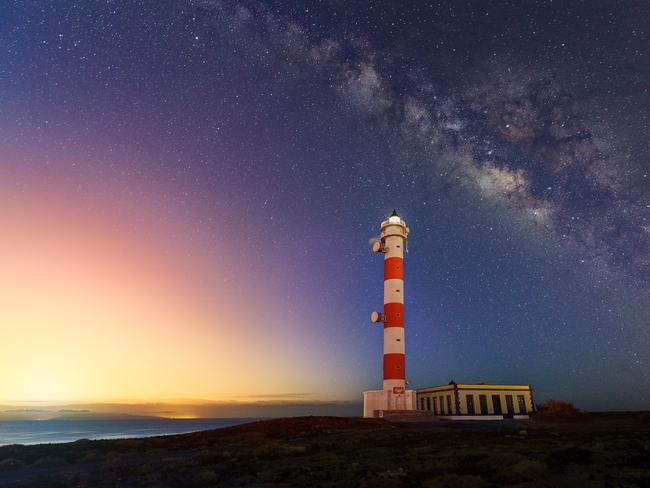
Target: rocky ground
[594, 450]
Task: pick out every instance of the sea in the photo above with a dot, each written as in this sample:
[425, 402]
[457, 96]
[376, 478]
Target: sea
[56, 431]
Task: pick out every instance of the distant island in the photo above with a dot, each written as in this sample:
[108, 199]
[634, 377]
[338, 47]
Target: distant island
[99, 416]
[181, 408]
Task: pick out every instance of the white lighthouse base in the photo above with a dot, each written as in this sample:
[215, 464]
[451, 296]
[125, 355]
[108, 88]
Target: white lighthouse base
[376, 402]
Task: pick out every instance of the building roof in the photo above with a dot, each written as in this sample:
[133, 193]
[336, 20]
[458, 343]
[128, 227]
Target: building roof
[476, 386]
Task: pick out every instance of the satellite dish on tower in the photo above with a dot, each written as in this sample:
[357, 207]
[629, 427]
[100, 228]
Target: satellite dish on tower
[377, 245]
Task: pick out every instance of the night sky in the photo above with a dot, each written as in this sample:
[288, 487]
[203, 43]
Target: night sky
[202, 178]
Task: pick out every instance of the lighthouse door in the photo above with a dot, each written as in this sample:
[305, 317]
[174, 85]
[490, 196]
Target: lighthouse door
[400, 402]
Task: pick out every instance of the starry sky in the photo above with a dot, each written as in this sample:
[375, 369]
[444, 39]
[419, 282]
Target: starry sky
[188, 189]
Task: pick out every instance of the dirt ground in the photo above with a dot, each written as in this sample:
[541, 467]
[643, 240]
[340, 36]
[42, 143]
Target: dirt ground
[595, 450]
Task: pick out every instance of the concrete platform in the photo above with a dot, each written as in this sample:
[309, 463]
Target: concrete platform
[407, 416]
[377, 401]
[483, 417]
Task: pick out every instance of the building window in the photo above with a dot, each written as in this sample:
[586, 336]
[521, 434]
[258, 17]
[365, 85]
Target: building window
[496, 405]
[442, 407]
[428, 403]
[470, 404]
[421, 403]
[435, 406]
[510, 407]
[449, 405]
[522, 403]
[482, 400]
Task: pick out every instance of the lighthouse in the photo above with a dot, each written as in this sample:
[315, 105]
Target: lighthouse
[394, 395]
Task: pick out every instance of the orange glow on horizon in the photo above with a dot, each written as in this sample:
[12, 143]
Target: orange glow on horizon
[97, 304]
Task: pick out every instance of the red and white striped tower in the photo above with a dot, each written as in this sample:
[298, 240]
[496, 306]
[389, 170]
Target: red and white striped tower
[394, 396]
[392, 243]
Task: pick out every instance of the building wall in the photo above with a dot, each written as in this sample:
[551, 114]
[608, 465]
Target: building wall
[436, 396]
[495, 395]
[514, 394]
[376, 402]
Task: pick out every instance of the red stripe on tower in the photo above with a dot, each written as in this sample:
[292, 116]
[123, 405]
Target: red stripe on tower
[393, 269]
[393, 315]
[394, 366]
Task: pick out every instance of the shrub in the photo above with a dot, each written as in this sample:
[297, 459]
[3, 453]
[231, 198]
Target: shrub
[525, 470]
[557, 410]
[497, 459]
[10, 463]
[456, 481]
[49, 461]
[207, 477]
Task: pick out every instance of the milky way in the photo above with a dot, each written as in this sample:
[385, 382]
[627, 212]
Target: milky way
[513, 139]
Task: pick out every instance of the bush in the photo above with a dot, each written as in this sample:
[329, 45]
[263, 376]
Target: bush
[525, 470]
[10, 463]
[456, 481]
[50, 461]
[557, 410]
[498, 459]
[207, 477]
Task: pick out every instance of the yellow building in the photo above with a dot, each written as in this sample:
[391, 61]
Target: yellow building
[476, 400]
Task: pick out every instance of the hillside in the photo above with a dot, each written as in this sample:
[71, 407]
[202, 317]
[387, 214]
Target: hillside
[596, 450]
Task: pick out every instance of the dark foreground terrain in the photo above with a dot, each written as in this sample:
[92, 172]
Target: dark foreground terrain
[593, 450]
